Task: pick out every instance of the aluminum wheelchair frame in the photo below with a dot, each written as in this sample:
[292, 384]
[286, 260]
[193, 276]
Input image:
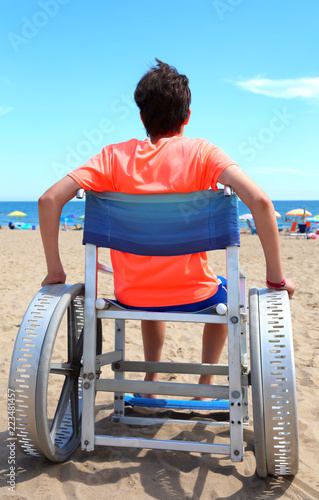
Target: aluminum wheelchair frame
[64, 311]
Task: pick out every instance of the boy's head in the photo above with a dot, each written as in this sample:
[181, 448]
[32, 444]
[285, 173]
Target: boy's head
[164, 97]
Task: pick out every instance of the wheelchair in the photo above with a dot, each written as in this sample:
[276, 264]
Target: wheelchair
[58, 349]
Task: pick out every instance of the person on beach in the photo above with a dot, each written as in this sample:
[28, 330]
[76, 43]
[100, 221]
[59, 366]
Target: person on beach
[166, 161]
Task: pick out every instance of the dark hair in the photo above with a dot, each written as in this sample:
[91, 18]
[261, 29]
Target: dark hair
[163, 96]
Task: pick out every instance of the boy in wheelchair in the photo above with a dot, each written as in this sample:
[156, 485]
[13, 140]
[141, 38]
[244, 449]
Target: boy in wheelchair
[165, 162]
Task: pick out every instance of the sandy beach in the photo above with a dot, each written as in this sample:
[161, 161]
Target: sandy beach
[145, 474]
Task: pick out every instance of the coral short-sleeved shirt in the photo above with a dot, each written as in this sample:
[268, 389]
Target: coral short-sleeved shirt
[172, 165]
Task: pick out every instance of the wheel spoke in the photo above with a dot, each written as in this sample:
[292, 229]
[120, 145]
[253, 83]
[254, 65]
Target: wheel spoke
[63, 404]
[63, 369]
[75, 414]
[79, 348]
[69, 394]
[71, 321]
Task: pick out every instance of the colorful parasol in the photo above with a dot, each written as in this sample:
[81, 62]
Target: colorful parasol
[298, 212]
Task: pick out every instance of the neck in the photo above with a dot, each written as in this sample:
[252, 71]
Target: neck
[155, 138]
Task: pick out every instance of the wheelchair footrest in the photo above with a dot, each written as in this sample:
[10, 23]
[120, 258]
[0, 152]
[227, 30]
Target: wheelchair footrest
[137, 400]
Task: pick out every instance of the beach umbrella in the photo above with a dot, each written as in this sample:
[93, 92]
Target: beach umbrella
[16, 213]
[80, 218]
[65, 220]
[299, 212]
[72, 216]
[245, 217]
[277, 214]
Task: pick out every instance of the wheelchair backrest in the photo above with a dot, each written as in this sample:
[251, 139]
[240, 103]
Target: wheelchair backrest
[161, 224]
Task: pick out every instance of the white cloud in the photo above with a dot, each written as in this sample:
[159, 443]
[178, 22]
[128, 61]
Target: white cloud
[286, 88]
[5, 111]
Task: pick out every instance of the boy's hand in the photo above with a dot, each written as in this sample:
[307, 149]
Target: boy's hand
[54, 278]
[289, 286]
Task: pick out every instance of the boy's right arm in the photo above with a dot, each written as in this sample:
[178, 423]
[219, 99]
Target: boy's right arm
[263, 212]
[50, 207]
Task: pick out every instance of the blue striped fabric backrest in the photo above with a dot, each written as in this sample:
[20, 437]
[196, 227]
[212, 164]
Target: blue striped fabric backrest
[161, 224]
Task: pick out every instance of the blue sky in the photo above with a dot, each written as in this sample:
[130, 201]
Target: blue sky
[69, 69]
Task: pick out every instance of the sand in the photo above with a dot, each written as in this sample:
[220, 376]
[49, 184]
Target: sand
[143, 474]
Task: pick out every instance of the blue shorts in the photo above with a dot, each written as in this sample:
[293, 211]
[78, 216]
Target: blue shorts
[220, 297]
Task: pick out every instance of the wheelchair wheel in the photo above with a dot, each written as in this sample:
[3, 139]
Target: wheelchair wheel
[273, 383]
[45, 374]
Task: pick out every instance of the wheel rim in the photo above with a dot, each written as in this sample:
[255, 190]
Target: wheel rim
[273, 383]
[56, 436]
[256, 383]
[279, 383]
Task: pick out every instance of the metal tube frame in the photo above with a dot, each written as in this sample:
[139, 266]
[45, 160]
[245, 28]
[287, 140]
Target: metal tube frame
[89, 348]
[234, 355]
[237, 391]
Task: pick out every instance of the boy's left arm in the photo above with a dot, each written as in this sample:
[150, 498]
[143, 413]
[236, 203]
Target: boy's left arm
[263, 212]
[50, 207]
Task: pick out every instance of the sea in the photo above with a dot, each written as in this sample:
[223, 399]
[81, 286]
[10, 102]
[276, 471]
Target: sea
[74, 209]
[71, 211]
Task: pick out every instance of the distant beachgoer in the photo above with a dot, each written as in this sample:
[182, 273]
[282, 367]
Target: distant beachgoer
[11, 225]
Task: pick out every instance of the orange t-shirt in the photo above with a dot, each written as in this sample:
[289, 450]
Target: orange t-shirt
[172, 165]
